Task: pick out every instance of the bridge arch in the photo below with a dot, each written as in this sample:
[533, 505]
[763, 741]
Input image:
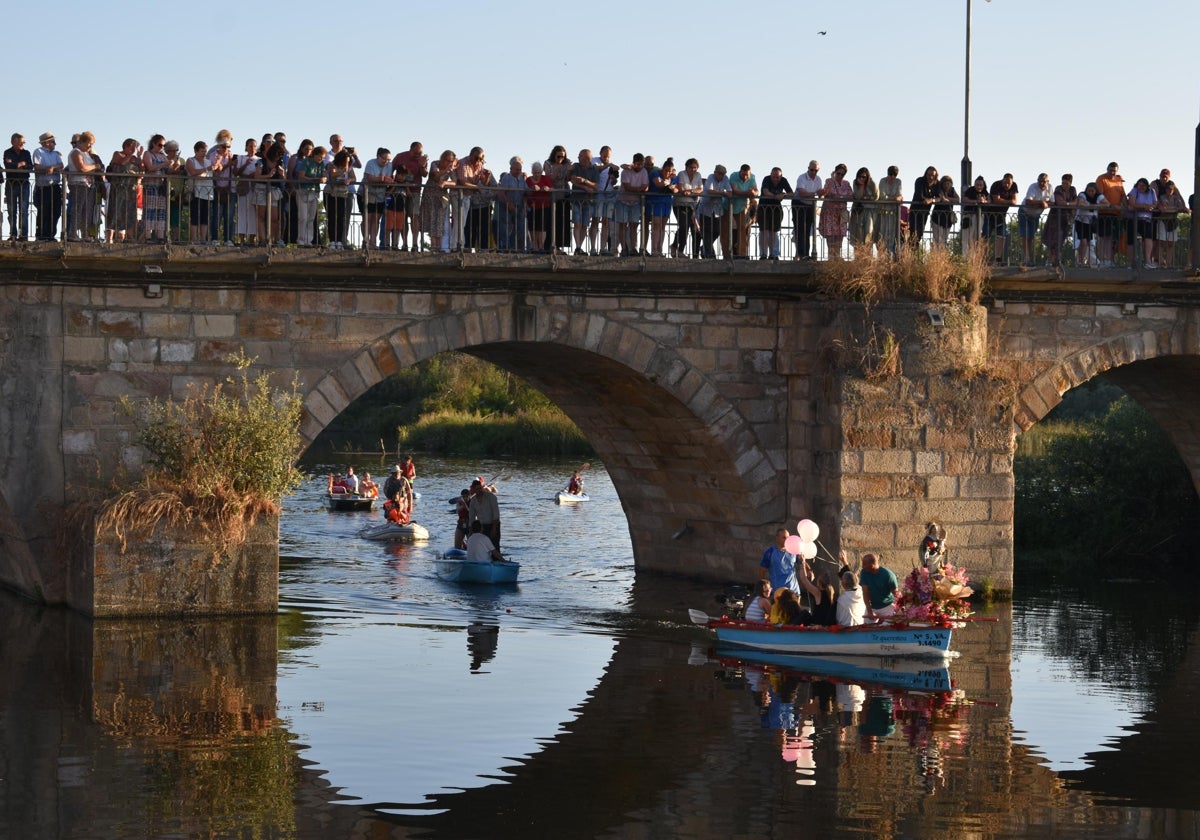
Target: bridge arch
[655, 417]
[1154, 366]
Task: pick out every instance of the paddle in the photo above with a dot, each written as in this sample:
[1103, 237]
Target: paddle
[700, 617]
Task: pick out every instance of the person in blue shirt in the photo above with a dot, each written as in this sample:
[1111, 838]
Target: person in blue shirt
[778, 565]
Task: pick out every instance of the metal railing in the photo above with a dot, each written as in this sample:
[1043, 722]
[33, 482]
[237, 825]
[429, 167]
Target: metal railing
[121, 208]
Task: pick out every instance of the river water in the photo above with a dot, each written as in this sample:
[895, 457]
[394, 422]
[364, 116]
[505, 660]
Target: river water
[383, 702]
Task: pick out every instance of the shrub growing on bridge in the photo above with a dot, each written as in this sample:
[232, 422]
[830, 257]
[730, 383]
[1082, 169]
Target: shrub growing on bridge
[219, 458]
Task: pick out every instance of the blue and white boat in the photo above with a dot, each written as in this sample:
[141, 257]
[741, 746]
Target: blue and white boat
[453, 565]
[892, 639]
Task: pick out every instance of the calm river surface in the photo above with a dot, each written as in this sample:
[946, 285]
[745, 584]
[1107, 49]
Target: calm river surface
[383, 702]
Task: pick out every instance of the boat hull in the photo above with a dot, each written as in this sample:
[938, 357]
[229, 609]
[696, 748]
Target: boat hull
[349, 502]
[565, 498]
[390, 531]
[867, 640]
[909, 673]
[454, 566]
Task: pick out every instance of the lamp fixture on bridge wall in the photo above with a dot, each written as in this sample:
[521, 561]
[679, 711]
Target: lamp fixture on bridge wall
[739, 302]
[935, 318]
[153, 290]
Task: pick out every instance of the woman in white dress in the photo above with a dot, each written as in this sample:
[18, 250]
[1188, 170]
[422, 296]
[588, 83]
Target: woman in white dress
[245, 168]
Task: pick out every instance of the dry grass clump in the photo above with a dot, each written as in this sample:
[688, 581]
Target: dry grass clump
[936, 276]
[216, 461]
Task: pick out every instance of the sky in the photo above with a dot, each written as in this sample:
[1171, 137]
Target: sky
[1056, 85]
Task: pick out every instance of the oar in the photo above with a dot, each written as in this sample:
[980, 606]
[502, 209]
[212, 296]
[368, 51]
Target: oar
[700, 617]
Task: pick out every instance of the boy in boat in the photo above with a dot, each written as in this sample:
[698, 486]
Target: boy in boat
[480, 546]
[575, 485]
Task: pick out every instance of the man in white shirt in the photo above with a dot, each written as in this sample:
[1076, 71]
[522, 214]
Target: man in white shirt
[1037, 199]
[479, 545]
[804, 207]
[47, 187]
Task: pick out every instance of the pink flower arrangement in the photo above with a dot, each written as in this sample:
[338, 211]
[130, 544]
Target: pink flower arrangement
[937, 598]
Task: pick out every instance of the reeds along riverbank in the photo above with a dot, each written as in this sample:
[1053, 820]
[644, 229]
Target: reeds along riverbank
[542, 434]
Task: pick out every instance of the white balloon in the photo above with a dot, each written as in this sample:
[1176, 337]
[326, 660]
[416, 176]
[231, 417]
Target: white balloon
[808, 530]
[808, 550]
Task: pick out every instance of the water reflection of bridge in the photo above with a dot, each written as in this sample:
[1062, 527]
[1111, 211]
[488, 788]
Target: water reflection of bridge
[77, 696]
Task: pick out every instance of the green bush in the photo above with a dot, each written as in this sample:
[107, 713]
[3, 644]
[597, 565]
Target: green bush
[1103, 490]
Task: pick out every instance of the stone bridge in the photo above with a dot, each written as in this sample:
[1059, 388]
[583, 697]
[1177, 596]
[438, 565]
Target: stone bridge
[724, 399]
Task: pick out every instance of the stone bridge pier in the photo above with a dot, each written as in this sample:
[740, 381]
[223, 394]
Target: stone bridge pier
[719, 417]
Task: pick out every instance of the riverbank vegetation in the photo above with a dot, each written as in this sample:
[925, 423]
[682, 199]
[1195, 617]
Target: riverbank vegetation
[456, 404]
[1101, 491]
[216, 460]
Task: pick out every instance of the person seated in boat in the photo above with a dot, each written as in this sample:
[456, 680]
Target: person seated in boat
[932, 550]
[368, 488]
[393, 485]
[336, 485]
[395, 511]
[759, 607]
[350, 481]
[851, 607]
[480, 545]
[408, 469]
[575, 485]
[879, 587]
[786, 609]
[821, 590]
[463, 509]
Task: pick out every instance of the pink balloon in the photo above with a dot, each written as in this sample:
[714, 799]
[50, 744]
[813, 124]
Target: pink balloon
[792, 544]
[808, 530]
[808, 550]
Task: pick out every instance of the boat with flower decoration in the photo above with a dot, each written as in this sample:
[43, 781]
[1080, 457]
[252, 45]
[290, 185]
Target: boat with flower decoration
[931, 604]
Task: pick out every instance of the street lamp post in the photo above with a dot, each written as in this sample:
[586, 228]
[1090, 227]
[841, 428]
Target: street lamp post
[966, 160]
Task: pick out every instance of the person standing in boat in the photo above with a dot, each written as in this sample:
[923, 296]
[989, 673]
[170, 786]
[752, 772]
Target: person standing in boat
[485, 509]
[879, 587]
[408, 469]
[463, 509]
[393, 485]
[480, 546]
[779, 565]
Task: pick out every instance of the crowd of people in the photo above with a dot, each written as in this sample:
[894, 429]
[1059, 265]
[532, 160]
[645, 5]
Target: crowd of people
[592, 204]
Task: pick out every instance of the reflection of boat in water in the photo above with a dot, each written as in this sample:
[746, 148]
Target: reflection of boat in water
[349, 501]
[565, 498]
[411, 532]
[481, 642]
[454, 566]
[899, 639]
[893, 672]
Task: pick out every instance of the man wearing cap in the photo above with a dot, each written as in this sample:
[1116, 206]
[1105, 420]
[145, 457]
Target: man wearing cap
[485, 509]
[47, 184]
[18, 163]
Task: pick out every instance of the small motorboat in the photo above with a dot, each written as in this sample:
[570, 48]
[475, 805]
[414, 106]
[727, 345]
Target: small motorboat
[453, 565]
[384, 531]
[350, 501]
[565, 498]
[916, 639]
